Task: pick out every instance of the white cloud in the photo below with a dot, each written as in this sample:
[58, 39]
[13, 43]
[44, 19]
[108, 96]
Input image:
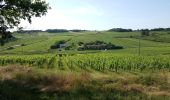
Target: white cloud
[54, 19]
[84, 10]
[74, 18]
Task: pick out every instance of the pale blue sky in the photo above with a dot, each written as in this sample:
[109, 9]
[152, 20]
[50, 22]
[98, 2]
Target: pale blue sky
[104, 14]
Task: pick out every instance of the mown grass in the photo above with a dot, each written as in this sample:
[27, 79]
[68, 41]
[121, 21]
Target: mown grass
[19, 82]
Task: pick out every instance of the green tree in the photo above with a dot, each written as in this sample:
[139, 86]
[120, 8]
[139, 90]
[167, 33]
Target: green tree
[145, 32]
[13, 11]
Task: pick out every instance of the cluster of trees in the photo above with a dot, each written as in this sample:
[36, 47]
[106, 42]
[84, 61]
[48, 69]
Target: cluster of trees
[97, 45]
[50, 31]
[78, 30]
[56, 30]
[61, 44]
[155, 29]
[58, 44]
[160, 29]
[120, 30]
[29, 31]
[145, 32]
[5, 36]
[130, 30]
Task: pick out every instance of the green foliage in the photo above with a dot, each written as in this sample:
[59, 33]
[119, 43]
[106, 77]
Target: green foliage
[163, 37]
[98, 62]
[56, 30]
[160, 29]
[12, 11]
[109, 62]
[154, 58]
[98, 45]
[41, 42]
[145, 32]
[34, 60]
[10, 48]
[6, 36]
[58, 44]
[120, 30]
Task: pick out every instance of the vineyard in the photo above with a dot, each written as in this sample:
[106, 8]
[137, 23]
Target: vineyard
[33, 60]
[98, 62]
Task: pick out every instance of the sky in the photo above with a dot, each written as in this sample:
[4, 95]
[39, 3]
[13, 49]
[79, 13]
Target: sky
[103, 15]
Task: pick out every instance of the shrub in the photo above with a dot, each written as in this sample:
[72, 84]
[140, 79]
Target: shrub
[23, 44]
[10, 48]
[145, 32]
[57, 44]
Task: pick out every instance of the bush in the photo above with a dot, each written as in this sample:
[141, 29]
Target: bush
[80, 43]
[145, 32]
[10, 48]
[57, 44]
[23, 44]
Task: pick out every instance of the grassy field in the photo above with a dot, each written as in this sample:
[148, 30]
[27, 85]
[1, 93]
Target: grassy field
[31, 70]
[41, 42]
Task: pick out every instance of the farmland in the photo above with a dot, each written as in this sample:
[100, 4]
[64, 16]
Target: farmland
[41, 42]
[84, 50]
[89, 74]
[99, 62]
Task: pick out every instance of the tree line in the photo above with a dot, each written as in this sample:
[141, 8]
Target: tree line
[51, 31]
[79, 30]
[131, 30]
